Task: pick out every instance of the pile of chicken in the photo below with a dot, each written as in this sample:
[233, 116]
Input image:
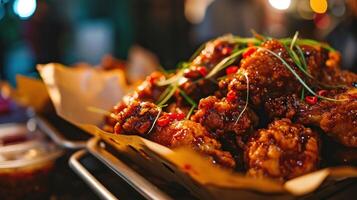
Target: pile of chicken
[253, 115]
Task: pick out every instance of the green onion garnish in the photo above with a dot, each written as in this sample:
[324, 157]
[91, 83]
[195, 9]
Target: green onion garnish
[102, 112]
[225, 62]
[246, 99]
[156, 118]
[190, 112]
[298, 77]
[168, 95]
[190, 101]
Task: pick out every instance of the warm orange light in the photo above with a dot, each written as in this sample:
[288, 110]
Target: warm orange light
[318, 6]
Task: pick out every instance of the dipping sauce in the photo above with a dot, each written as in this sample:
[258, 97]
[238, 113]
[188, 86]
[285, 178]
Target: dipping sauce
[26, 162]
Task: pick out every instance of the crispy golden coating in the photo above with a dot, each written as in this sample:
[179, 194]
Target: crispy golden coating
[138, 118]
[282, 107]
[196, 89]
[337, 76]
[147, 90]
[267, 75]
[341, 123]
[283, 151]
[336, 118]
[189, 133]
[214, 52]
[333, 75]
[219, 116]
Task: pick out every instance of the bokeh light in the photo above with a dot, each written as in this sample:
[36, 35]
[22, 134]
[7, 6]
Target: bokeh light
[280, 4]
[319, 6]
[2, 12]
[24, 8]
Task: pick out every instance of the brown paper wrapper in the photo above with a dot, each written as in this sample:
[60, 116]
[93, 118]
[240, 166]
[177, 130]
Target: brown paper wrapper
[29, 92]
[73, 91]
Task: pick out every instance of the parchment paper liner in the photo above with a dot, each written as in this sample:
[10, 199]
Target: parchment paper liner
[74, 90]
[29, 92]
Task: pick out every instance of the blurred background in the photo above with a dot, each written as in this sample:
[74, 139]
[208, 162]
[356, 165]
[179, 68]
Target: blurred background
[67, 31]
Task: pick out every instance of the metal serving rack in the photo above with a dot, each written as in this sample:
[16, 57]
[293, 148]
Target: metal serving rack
[148, 190]
[93, 183]
[135, 180]
[56, 136]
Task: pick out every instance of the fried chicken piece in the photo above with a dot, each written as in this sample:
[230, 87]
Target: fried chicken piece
[189, 133]
[268, 77]
[219, 116]
[283, 151]
[286, 106]
[138, 118]
[196, 90]
[148, 90]
[333, 75]
[214, 51]
[341, 123]
[111, 120]
[336, 118]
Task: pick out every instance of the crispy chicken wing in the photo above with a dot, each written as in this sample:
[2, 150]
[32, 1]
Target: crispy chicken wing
[213, 52]
[282, 151]
[220, 116]
[170, 129]
[189, 133]
[267, 75]
[336, 118]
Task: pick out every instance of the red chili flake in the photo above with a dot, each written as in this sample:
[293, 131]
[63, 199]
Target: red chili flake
[231, 70]
[202, 70]
[175, 116]
[249, 52]
[312, 100]
[171, 116]
[163, 121]
[322, 93]
[231, 96]
[151, 80]
[180, 116]
[226, 51]
[187, 166]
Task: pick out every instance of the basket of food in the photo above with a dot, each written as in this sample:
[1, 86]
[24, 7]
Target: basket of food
[244, 116]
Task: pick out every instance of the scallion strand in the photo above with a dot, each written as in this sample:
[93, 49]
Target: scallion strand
[298, 77]
[246, 99]
[225, 62]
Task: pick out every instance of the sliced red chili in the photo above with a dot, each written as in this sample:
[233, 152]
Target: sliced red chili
[180, 116]
[312, 100]
[171, 116]
[163, 121]
[231, 70]
[322, 93]
[231, 96]
[202, 70]
[249, 52]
